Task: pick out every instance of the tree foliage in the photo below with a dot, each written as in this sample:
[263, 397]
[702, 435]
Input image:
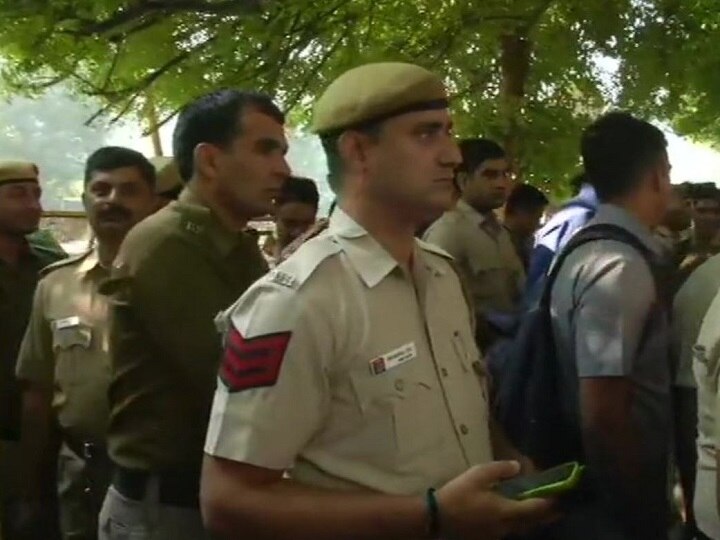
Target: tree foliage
[671, 68]
[522, 71]
[49, 131]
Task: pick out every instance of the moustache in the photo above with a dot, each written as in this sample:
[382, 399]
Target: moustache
[114, 213]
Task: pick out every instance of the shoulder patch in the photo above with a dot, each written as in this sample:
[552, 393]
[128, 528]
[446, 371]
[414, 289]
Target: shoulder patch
[252, 362]
[432, 248]
[69, 261]
[300, 265]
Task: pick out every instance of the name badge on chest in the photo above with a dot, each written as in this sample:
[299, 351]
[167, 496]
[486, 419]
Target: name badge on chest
[393, 359]
[67, 322]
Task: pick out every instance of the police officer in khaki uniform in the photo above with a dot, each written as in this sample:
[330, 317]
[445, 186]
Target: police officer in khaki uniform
[175, 271]
[352, 367]
[690, 307]
[295, 214]
[472, 234]
[63, 360]
[706, 369]
[22, 256]
[168, 183]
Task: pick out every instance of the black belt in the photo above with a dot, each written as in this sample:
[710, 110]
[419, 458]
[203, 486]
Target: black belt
[177, 488]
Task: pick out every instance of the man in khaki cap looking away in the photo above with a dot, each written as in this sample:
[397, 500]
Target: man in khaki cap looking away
[352, 366]
[21, 259]
[168, 184]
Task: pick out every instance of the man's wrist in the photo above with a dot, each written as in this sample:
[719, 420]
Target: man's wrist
[432, 508]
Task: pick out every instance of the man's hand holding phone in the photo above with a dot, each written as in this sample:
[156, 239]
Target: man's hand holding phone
[471, 506]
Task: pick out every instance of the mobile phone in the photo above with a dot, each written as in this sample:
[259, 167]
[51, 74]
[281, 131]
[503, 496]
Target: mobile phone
[548, 483]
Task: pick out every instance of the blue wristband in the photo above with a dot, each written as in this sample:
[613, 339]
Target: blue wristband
[433, 510]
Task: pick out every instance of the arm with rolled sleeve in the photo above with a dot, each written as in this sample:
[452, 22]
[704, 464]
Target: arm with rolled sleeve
[268, 426]
[35, 369]
[609, 322]
[35, 363]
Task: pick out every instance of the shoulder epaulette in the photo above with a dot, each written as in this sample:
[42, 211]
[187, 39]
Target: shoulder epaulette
[432, 248]
[300, 266]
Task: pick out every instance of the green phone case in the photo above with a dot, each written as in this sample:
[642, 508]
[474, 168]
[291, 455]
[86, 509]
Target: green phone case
[544, 483]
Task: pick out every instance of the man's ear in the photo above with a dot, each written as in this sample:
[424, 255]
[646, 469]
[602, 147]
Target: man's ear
[462, 179]
[353, 148]
[85, 197]
[205, 160]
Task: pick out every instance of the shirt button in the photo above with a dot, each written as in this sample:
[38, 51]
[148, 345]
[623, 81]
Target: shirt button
[444, 372]
[399, 385]
[464, 429]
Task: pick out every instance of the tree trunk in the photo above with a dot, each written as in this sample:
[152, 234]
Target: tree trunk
[153, 129]
[515, 67]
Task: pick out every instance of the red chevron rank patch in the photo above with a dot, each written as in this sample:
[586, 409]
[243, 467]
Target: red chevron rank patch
[254, 362]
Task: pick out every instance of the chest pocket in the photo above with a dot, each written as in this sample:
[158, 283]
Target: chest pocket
[402, 408]
[72, 345]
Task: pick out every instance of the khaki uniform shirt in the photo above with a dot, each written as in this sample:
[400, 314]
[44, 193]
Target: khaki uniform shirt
[351, 374]
[175, 272]
[17, 286]
[689, 308]
[485, 254]
[706, 369]
[66, 345]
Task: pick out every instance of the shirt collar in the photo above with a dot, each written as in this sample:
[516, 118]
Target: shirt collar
[464, 208]
[588, 195]
[368, 258]
[615, 215]
[91, 263]
[199, 219]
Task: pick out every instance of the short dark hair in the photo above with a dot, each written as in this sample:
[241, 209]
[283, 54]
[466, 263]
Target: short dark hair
[329, 143]
[334, 161]
[525, 198]
[300, 190]
[109, 158]
[214, 118]
[476, 151]
[616, 149]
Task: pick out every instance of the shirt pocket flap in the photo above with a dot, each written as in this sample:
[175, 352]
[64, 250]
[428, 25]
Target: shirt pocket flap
[389, 388]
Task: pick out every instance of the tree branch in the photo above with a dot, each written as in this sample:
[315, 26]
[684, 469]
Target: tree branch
[145, 8]
[310, 77]
[141, 87]
[534, 18]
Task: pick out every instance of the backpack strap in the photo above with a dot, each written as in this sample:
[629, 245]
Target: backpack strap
[604, 231]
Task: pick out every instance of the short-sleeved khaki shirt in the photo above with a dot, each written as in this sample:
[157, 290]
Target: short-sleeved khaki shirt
[66, 345]
[487, 258]
[351, 374]
[689, 309]
[706, 369]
